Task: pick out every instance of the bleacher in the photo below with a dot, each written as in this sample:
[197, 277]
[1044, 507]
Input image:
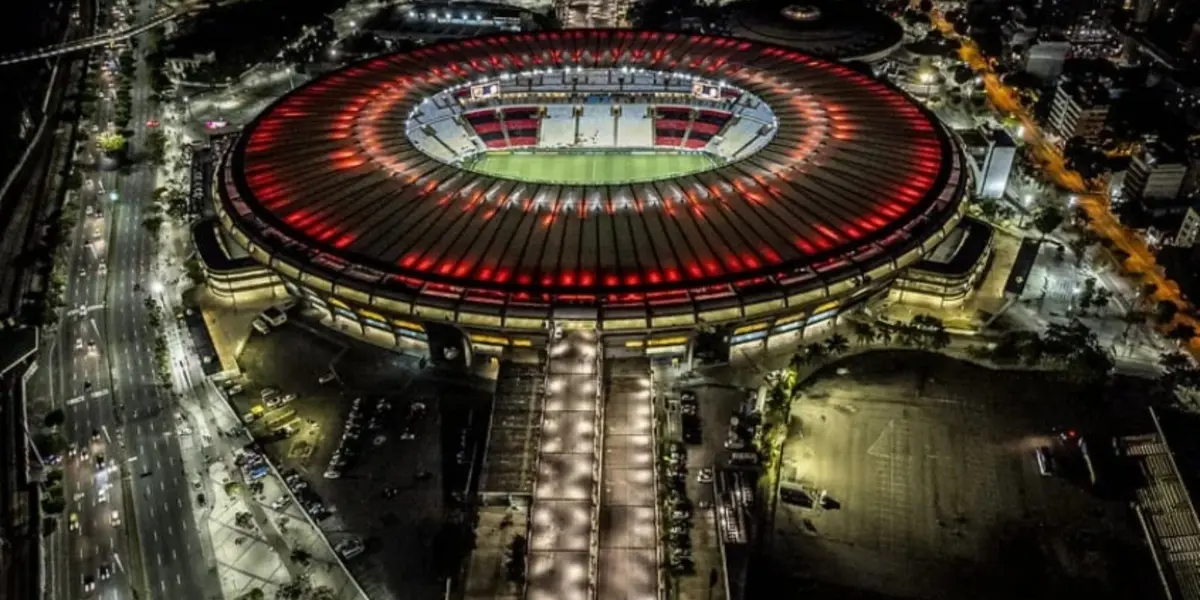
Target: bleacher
[488, 127]
[521, 123]
[671, 125]
[558, 126]
[741, 137]
[596, 126]
[634, 128]
[455, 136]
[705, 125]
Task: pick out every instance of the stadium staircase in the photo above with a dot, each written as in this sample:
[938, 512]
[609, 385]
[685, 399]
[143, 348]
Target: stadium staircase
[431, 133]
[616, 115]
[704, 126]
[578, 113]
[564, 515]
[688, 131]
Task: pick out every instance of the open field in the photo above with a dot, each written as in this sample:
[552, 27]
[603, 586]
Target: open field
[583, 168]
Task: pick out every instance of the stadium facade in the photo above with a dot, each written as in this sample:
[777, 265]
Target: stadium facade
[359, 192]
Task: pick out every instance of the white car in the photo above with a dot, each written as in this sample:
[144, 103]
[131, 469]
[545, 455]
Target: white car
[102, 496]
[116, 518]
[705, 475]
[79, 343]
[281, 502]
[333, 474]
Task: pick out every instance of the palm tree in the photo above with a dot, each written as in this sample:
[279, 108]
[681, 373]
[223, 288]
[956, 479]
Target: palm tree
[814, 353]
[837, 344]
[939, 339]
[885, 332]
[864, 333]
[908, 334]
[1181, 333]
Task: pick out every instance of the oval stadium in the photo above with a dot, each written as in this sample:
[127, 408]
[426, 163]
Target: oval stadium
[648, 185]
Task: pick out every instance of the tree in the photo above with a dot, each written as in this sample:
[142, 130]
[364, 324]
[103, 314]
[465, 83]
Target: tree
[837, 344]
[49, 443]
[153, 224]
[814, 353]
[244, 520]
[1079, 246]
[885, 332]
[110, 142]
[1181, 333]
[1165, 311]
[301, 557]
[253, 594]
[864, 333]
[1148, 290]
[55, 418]
[54, 505]
[515, 563]
[1047, 219]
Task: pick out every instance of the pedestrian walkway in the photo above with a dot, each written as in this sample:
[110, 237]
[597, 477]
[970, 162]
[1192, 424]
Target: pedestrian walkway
[628, 562]
[562, 540]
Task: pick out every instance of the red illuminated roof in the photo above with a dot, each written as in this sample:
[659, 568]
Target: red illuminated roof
[328, 176]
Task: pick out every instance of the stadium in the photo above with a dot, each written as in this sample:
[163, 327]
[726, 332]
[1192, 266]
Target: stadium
[644, 184]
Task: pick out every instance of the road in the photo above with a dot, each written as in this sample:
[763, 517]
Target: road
[1091, 198]
[136, 515]
[161, 489]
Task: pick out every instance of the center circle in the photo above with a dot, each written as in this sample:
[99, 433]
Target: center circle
[801, 12]
[591, 126]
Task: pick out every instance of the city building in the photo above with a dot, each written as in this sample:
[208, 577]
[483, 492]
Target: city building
[947, 276]
[991, 153]
[843, 30]
[1079, 109]
[426, 22]
[581, 14]
[997, 165]
[1156, 178]
[1189, 229]
[1044, 59]
[385, 224]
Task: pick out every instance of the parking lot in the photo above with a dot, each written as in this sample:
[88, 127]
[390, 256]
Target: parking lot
[381, 483]
[936, 493]
[713, 404]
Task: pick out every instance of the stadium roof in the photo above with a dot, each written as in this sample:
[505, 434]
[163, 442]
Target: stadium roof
[837, 30]
[327, 177]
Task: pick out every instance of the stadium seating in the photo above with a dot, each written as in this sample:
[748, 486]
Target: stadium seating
[558, 126]
[634, 129]
[671, 125]
[706, 124]
[488, 127]
[521, 124]
[596, 127]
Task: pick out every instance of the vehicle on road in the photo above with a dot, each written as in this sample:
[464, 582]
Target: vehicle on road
[89, 584]
[350, 548]
[73, 522]
[116, 518]
[705, 475]
[281, 502]
[105, 571]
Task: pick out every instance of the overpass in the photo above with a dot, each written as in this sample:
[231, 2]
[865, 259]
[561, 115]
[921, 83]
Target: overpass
[92, 41]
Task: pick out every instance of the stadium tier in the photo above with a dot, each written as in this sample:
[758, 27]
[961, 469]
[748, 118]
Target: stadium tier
[635, 180]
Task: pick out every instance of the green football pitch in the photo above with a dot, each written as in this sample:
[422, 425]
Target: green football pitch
[581, 168]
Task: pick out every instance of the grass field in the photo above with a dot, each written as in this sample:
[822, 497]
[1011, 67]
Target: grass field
[589, 168]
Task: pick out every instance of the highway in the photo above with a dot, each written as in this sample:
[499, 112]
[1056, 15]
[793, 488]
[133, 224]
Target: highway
[136, 515]
[1093, 199]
